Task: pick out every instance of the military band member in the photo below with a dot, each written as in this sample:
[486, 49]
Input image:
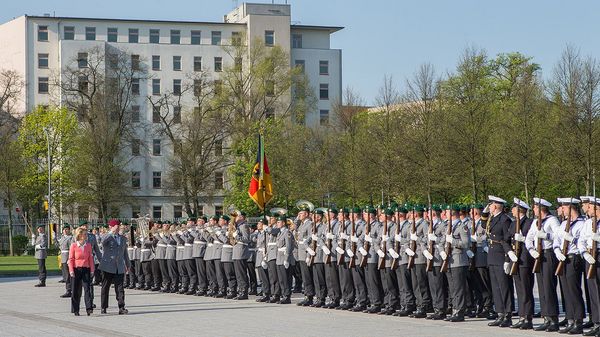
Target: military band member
[146, 257]
[222, 281]
[131, 277]
[332, 279]
[499, 245]
[403, 274]
[198, 251]
[189, 264]
[587, 237]
[304, 233]
[318, 266]
[573, 264]
[344, 271]
[272, 231]
[285, 260]
[41, 252]
[372, 277]
[250, 262]
[226, 257]
[262, 266]
[154, 264]
[418, 272]
[240, 255]
[161, 256]
[388, 276]
[436, 278]
[524, 276]
[64, 244]
[171, 257]
[209, 257]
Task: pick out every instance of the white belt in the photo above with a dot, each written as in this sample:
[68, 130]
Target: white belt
[179, 247]
[129, 248]
[227, 246]
[272, 244]
[161, 245]
[282, 249]
[170, 246]
[146, 250]
[64, 251]
[200, 242]
[188, 244]
[252, 249]
[210, 244]
[241, 243]
[217, 242]
[261, 250]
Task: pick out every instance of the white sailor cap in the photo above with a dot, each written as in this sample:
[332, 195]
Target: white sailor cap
[585, 198]
[542, 202]
[520, 203]
[594, 200]
[495, 199]
[568, 201]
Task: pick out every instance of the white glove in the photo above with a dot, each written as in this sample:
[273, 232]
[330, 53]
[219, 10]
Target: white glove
[470, 254]
[432, 237]
[354, 238]
[380, 253]
[393, 253]
[330, 236]
[409, 252]
[339, 250]
[218, 233]
[541, 235]
[427, 255]
[286, 264]
[326, 250]
[264, 264]
[486, 249]
[363, 251]
[314, 237]
[589, 258]
[398, 237]
[234, 234]
[368, 238]
[486, 209]
[180, 232]
[449, 238]
[519, 237]
[474, 238]
[482, 238]
[443, 255]
[385, 237]
[512, 256]
[596, 237]
[310, 251]
[567, 236]
[349, 252]
[344, 236]
[413, 237]
[559, 255]
[506, 268]
[38, 246]
[534, 253]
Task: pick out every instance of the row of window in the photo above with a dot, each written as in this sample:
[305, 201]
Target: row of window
[133, 35]
[136, 180]
[323, 66]
[136, 146]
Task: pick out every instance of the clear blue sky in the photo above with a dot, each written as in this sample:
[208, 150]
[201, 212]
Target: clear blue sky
[387, 36]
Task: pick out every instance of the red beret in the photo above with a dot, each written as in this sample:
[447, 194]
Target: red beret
[113, 222]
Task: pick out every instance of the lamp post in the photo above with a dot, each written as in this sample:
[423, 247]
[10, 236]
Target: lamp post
[47, 132]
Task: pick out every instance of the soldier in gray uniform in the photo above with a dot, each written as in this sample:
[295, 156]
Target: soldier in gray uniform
[285, 260]
[198, 251]
[97, 272]
[64, 244]
[458, 265]
[154, 264]
[161, 257]
[171, 257]
[403, 274]
[358, 272]
[318, 267]
[240, 255]
[272, 231]
[419, 273]
[137, 256]
[146, 257]
[332, 278]
[209, 257]
[437, 279]
[181, 270]
[130, 278]
[344, 271]
[259, 237]
[227, 256]
[372, 236]
[250, 262]
[388, 276]
[188, 257]
[303, 235]
[220, 239]
[41, 252]
[481, 276]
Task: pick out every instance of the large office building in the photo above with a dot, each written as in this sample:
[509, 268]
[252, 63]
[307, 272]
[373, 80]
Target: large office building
[39, 46]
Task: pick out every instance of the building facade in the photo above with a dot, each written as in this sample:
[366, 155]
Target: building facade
[40, 46]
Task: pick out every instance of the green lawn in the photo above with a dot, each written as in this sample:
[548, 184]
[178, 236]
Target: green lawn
[25, 265]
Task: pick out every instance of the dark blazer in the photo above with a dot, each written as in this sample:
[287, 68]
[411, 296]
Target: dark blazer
[114, 254]
[499, 239]
[525, 259]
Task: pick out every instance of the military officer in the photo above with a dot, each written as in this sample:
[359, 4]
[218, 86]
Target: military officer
[189, 264]
[114, 264]
[304, 233]
[41, 252]
[209, 257]
[146, 257]
[154, 263]
[64, 244]
[315, 251]
[271, 232]
[386, 254]
[171, 257]
[481, 274]
[161, 256]
[240, 255]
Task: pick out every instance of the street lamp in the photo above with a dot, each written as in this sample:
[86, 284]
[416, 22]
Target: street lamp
[47, 132]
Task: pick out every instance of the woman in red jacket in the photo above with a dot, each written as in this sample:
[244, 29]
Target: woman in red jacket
[81, 268]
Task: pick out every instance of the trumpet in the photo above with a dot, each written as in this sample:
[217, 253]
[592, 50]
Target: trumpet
[233, 212]
[302, 204]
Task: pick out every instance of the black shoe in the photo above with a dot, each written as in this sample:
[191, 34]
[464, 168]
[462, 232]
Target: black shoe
[231, 296]
[253, 292]
[418, 314]
[40, 285]
[564, 322]
[220, 294]
[103, 311]
[498, 321]
[93, 306]
[150, 288]
[274, 299]
[240, 297]
[346, 306]
[89, 311]
[458, 317]
[263, 299]
[61, 281]
[332, 304]
[66, 295]
[438, 315]
[403, 313]
[123, 311]
[507, 322]
[594, 332]
[285, 300]
[567, 328]
[527, 325]
[577, 328]
[358, 308]
[374, 309]
[76, 313]
[519, 324]
[492, 315]
[319, 303]
[587, 325]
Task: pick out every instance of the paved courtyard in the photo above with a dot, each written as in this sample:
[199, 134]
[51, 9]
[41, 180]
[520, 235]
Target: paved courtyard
[29, 311]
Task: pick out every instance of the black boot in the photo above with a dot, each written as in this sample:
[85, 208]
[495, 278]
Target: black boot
[566, 329]
[458, 316]
[241, 296]
[319, 303]
[498, 320]
[553, 324]
[577, 328]
[308, 300]
[527, 325]
[285, 300]
[594, 331]
[263, 299]
[507, 322]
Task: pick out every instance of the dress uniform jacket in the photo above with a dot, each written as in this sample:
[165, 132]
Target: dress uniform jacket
[180, 245]
[499, 239]
[171, 251]
[241, 249]
[259, 238]
[209, 252]
[343, 228]
[188, 243]
[525, 259]
[319, 256]
[482, 244]
[405, 228]
[272, 234]
[227, 249]
[461, 242]
[199, 245]
[64, 244]
[146, 251]
[160, 250]
[322, 234]
[114, 255]
[41, 246]
[217, 244]
[95, 248]
[439, 230]
[375, 234]
[389, 242]
[304, 232]
[422, 229]
[285, 247]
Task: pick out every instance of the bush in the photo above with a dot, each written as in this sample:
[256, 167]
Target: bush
[19, 244]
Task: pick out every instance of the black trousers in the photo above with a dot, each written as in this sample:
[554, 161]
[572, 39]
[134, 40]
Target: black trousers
[265, 284]
[524, 287]
[109, 279]
[360, 285]
[437, 287]
[221, 275]
[332, 280]
[42, 270]
[201, 272]
[500, 289]
[457, 282]
[164, 273]
[190, 270]
[147, 269]
[139, 272]
[421, 286]
[252, 280]
[405, 287]
[273, 278]
[347, 284]
[485, 288]
[374, 287]
[297, 277]
[390, 286]
[82, 279]
[230, 276]
[183, 276]
[98, 274]
[285, 279]
[156, 275]
[319, 280]
[547, 283]
[594, 290]
[211, 275]
[66, 276]
[241, 275]
[173, 273]
[571, 280]
[307, 279]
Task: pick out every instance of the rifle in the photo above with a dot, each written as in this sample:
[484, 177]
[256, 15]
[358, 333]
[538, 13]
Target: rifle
[313, 244]
[413, 244]
[341, 257]
[565, 245]
[395, 261]
[381, 264]
[514, 268]
[431, 248]
[591, 272]
[367, 245]
[537, 265]
[328, 243]
[448, 245]
[353, 245]
[473, 244]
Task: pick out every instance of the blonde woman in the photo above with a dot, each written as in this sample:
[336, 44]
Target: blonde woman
[81, 269]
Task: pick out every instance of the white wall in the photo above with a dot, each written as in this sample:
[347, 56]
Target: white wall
[13, 53]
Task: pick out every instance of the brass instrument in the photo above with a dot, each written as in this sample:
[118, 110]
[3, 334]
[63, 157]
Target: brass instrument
[231, 228]
[142, 226]
[300, 204]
